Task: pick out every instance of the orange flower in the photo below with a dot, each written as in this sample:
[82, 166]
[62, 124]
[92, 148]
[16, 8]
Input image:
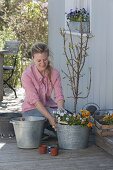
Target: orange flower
[85, 113]
[89, 124]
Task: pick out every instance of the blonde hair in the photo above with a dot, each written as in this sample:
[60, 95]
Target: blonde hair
[41, 47]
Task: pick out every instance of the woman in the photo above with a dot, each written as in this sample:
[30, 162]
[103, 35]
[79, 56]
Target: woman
[39, 80]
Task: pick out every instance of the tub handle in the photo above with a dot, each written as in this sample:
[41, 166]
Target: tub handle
[12, 121]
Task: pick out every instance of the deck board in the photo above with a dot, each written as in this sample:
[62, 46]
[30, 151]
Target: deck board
[93, 157]
[13, 158]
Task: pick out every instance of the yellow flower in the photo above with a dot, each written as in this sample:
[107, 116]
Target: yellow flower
[108, 119]
[78, 116]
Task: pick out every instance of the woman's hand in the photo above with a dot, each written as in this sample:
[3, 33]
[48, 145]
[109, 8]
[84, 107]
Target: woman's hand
[41, 108]
[60, 104]
[52, 122]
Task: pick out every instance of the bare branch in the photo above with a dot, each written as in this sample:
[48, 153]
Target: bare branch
[75, 53]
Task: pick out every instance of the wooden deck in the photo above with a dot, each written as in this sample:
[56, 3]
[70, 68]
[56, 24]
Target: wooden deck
[91, 158]
[13, 158]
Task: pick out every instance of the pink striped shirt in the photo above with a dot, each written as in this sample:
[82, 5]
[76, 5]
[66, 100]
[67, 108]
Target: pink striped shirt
[39, 88]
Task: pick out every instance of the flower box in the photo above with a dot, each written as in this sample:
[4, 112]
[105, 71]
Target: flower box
[79, 26]
[79, 20]
[103, 129]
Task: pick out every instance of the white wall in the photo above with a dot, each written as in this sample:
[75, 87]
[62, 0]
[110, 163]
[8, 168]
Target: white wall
[101, 52]
[100, 57]
[56, 21]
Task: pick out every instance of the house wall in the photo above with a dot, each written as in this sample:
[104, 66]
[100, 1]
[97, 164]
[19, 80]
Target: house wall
[56, 21]
[100, 51]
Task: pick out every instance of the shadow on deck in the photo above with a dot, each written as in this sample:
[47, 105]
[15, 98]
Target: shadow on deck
[9, 103]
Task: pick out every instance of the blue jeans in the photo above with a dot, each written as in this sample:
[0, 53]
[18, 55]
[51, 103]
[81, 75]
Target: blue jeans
[35, 112]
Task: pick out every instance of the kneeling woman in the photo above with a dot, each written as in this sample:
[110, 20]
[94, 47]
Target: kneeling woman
[40, 80]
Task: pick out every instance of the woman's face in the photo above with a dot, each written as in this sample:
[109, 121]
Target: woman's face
[41, 61]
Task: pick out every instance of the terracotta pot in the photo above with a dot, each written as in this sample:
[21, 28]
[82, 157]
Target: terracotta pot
[42, 149]
[54, 151]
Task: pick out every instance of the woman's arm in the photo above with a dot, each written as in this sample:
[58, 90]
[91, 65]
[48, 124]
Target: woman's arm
[31, 93]
[60, 104]
[45, 113]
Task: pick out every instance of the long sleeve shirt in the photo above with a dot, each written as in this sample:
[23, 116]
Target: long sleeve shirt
[39, 88]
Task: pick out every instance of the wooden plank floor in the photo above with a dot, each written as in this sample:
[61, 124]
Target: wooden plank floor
[13, 158]
[91, 158]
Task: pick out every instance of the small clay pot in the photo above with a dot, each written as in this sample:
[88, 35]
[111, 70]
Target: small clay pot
[54, 151]
[42, 149]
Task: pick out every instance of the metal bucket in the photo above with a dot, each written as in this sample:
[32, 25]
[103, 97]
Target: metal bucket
[28, 131]
[72, 137]
[6, 128]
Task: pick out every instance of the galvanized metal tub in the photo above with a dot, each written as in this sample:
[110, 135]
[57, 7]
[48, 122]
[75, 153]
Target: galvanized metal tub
[28, 131]
[6, 128]
[76, 26]
[72, 137]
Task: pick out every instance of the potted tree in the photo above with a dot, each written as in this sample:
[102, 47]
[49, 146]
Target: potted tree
[76, 17]
[72, 130]
[75, 53]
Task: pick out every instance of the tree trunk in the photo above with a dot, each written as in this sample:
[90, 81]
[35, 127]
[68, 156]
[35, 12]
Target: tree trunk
[1, 77]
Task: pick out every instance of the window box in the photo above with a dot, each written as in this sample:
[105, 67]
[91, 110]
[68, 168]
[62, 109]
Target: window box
[79, 26]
